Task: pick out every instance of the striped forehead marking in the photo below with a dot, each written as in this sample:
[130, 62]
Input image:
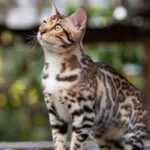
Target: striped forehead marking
[55, 18]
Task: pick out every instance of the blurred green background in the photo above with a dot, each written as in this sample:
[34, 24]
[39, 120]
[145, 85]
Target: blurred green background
[23, 115]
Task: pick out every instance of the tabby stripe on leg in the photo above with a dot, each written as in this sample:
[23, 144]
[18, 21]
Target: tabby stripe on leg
[77, 146]
[87, 109]
[85, 126]
[135, 142]
[62, 128]
[88, 119]
[53, 107]
[82, 137]
[135, 147]
[77, 112]
[52, 112]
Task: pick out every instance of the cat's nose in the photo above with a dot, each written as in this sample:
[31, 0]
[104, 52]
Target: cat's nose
[43, 31]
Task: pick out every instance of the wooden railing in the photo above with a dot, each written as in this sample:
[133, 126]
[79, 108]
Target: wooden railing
[46, 146]
[37, 146]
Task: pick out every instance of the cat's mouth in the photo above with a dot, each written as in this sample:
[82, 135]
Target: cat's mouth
[42, 41]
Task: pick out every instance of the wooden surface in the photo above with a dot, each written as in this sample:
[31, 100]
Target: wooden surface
[46, 146]
[36, 146]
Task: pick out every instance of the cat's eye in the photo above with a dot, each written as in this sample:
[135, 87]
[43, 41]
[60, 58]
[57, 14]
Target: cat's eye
[58, 27]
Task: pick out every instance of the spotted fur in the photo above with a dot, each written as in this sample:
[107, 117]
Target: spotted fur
[91, 97]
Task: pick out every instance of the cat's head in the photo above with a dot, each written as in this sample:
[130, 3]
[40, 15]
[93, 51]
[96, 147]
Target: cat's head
[59, 33]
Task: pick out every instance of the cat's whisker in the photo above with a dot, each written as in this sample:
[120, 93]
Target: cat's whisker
[32, 40]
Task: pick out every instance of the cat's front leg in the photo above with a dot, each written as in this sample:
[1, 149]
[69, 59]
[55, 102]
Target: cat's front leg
[83, 119]
[59, 127]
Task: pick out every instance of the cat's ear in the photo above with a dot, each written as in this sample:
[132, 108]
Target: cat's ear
[54, 9]
[79, 18]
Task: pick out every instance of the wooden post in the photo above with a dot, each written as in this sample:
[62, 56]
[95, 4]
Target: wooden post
[147, 75]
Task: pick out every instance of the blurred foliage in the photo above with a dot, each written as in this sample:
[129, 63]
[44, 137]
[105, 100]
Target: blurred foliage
[117, 54]
[23, 115]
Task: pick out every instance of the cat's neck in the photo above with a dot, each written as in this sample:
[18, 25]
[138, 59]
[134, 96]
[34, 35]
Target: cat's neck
[55, 58]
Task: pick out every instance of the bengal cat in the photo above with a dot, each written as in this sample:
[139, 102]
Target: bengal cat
[91, 97]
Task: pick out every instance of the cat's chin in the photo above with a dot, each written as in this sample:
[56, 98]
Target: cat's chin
[56, 50]
[46, 45]
[53, 48]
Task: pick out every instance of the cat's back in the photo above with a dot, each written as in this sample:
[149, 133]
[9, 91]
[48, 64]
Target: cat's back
[103, 67]
[123, 94]
[106, 72]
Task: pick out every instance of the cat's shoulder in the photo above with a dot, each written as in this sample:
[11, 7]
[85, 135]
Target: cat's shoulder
[106, 68]
[110, 71]
[100, 66]
[87, 60]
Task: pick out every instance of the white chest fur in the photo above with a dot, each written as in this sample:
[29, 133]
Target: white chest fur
[52, 85]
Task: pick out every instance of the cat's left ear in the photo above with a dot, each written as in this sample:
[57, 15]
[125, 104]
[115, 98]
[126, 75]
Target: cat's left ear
[79, 18]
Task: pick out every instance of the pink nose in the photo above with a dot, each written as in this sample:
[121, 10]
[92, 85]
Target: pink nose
[43, 30]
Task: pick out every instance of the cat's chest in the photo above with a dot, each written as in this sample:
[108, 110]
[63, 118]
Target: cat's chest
[53, 80]
[53, 86]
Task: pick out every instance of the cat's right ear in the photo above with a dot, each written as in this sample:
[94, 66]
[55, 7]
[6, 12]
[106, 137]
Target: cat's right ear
[54, 9]
[79, 18]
